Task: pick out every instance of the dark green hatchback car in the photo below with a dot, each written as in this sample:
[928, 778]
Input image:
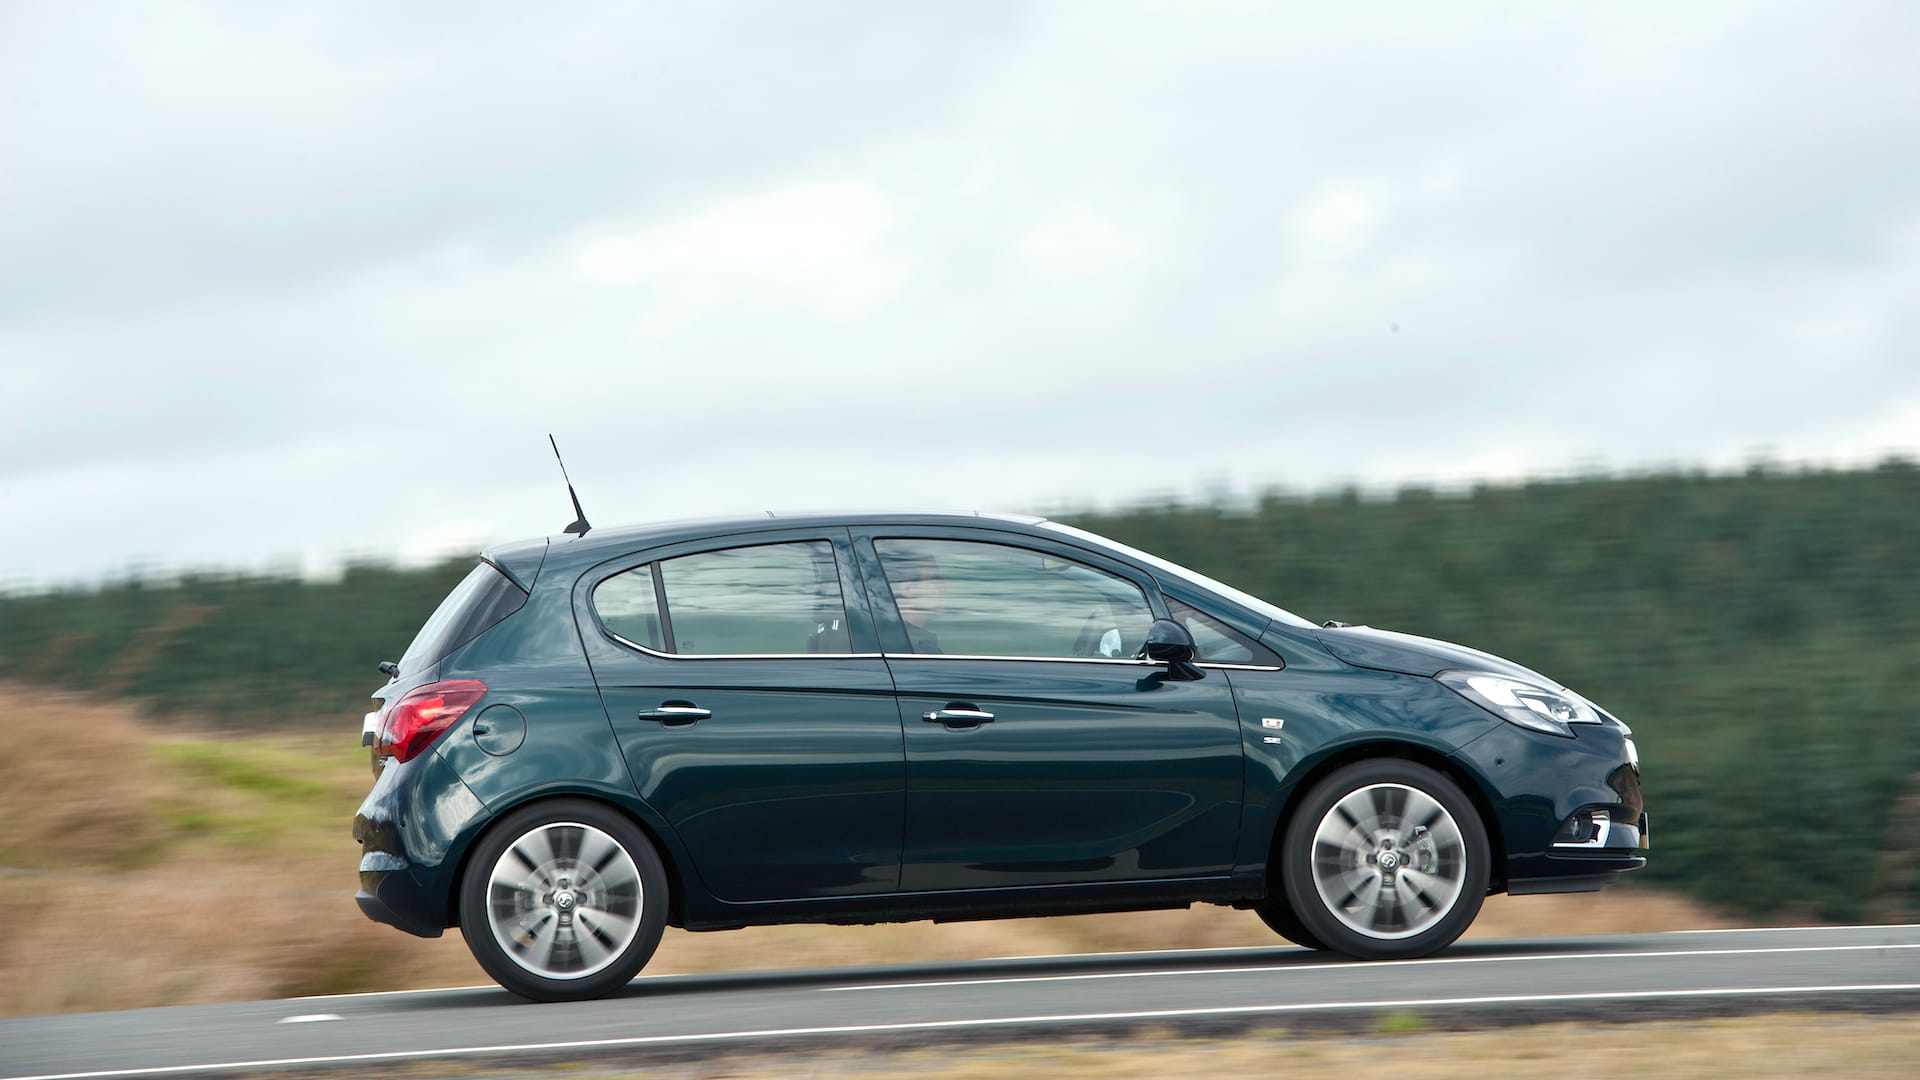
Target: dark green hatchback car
[890, 717]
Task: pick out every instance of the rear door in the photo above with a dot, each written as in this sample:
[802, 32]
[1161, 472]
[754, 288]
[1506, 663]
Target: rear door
[1039, 751]
[744, 682]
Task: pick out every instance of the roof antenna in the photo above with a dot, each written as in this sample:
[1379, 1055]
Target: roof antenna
[579, 526]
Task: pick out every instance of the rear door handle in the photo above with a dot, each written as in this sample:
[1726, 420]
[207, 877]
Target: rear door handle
[959, 716]
[676, 714]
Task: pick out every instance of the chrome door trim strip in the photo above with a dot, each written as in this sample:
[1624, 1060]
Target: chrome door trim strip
[1128, 661]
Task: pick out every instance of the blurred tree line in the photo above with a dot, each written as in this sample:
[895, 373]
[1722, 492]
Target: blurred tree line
[240, 650]
[1760, 632]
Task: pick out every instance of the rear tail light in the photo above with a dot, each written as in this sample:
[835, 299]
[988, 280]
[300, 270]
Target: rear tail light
[417, 719]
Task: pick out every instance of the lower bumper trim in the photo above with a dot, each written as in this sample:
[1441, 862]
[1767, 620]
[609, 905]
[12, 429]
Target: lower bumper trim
[1570, 883]
[379, 911]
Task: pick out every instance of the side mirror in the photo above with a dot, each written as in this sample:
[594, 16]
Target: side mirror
[1169, 643]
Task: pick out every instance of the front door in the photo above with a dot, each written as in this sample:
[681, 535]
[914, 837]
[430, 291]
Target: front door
[1039, 751]
[748, 696]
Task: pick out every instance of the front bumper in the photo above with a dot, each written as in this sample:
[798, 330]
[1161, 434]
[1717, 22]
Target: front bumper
[1548, 796]
[1601, 828]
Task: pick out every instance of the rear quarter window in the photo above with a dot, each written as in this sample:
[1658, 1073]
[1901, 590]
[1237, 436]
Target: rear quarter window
[483, 598]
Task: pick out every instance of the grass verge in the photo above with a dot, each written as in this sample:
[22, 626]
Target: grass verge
[1776, 1047]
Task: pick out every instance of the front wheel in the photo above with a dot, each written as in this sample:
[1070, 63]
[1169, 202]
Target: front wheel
[563, 901]
[1385, 859]
[1281, 919]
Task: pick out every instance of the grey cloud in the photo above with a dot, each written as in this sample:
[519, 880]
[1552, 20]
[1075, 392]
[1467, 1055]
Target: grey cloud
[169, 153]
[337, 261]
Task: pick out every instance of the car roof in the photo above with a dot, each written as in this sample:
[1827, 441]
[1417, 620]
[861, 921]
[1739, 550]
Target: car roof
[626, 536]
[522, 560]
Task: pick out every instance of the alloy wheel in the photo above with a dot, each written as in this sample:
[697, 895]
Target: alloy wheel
[564, 900]
[1388, 861]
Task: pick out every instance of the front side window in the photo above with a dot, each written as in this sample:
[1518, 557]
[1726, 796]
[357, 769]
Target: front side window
[1214, 641]
[961, 598]
[1191, 577]
[771, 598]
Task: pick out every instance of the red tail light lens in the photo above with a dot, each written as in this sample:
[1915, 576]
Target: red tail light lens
[415, 720]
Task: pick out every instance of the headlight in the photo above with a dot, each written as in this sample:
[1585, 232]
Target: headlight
[1528, 704]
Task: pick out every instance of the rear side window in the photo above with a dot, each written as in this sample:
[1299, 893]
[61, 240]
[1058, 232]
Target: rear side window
[773, 598]
[483, 598]
[630, 607]
[769, 599]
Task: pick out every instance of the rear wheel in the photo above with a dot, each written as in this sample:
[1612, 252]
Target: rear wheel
[1385, 859]
[563, 900]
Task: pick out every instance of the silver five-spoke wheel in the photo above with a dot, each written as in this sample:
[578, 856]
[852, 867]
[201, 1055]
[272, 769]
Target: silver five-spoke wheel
[1388, 860]
[564, 900]
[1384, 859]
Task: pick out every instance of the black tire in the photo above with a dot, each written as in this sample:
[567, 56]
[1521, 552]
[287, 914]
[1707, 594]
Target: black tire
[1385, 860]
[563, 900]
[1280, 918]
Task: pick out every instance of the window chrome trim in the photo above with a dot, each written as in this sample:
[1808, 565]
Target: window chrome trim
[1128, 660]
[742, 656]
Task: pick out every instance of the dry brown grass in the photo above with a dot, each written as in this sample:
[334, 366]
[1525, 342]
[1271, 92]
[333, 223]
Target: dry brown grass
[185, 869]
[73, 786]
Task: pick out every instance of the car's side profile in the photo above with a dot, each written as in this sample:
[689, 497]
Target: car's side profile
[889, 717]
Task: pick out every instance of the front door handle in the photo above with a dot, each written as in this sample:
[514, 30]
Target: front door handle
[676, 714]
[959, 716]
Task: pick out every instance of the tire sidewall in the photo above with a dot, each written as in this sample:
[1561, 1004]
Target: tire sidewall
[1297, 860]
[478, 929]
[1280, 918]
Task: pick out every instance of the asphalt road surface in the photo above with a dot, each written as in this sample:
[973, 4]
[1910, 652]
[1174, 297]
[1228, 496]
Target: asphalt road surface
[1474, 983]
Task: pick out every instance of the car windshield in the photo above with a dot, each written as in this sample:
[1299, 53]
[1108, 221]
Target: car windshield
[1191, 577]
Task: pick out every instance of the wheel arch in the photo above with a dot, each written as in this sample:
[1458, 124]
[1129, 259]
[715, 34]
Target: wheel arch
[1470, 784]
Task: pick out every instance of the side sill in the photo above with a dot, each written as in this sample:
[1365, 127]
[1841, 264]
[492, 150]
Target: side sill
[974, 904]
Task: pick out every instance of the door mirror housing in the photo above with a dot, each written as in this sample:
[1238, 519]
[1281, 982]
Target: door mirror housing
[1169, 643]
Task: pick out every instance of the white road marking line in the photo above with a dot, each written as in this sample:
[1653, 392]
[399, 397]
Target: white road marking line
[1468, 941]
[310, 1018]
[1794, 929]
[395, 993]
[1368, 964]
[1010, 1021]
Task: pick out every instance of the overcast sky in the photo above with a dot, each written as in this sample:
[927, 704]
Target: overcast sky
[279, 285]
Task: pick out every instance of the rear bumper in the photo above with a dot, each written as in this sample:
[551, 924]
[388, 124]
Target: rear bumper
[410, 829]
[392, 898]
